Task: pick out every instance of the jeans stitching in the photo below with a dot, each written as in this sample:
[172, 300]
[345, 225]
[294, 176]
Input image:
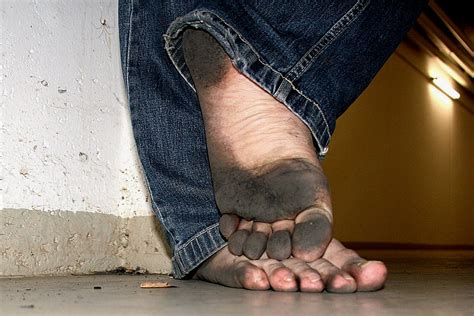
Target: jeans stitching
[169, 47]
[282, 76]
[187, 259]
[337, 29]
[127, 61]
[192, 239]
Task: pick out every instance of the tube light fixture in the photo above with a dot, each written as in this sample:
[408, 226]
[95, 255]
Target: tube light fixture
[444, 86]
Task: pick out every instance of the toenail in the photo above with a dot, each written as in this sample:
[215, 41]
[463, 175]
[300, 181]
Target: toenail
[289, 278]
[362, 264]
[314, 280]
[365, 264]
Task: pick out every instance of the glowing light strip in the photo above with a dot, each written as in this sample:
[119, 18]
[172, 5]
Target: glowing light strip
[444, 86]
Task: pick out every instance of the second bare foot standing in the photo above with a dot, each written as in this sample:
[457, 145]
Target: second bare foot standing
[340, 270]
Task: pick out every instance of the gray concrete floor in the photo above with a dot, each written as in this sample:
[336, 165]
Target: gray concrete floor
[418, 285]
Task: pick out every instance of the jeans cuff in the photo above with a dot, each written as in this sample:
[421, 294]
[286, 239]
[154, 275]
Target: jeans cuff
[196, 250]
[247, 60]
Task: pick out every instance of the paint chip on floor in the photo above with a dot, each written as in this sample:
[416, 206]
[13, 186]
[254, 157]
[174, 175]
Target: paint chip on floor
[154, 284]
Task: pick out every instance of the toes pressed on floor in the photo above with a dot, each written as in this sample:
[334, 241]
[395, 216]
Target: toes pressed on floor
[340, 283]
[369, 275]
[356, 274]
[309, 279]
[281, 278]
[251, 277]
[311, 284]
[283, 281]
[335, 279]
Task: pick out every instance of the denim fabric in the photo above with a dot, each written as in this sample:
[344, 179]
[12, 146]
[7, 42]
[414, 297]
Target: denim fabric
[315, 57]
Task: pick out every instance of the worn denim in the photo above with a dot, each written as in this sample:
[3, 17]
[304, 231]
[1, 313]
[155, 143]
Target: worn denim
[314, 56]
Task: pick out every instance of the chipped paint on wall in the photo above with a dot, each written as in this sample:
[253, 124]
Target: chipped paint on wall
[66, 135]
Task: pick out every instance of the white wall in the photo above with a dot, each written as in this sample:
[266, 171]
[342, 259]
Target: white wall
[73, 195]
[66, 136]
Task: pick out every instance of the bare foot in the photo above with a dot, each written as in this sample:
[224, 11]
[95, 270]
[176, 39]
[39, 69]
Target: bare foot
[341, 270]
[263, 161]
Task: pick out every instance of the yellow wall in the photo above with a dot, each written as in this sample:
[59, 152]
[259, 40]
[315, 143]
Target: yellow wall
[401, 163]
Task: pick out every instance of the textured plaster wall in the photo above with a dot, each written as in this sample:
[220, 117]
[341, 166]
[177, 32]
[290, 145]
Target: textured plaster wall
[73, 198]
[59, 242]
[66, 129]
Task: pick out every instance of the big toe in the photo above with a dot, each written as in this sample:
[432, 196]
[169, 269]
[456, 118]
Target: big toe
[369, 275]
[312, 234]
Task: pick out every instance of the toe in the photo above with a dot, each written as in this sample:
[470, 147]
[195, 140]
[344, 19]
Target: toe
[229, 270]
[341, 283]
[228, 224]
[312, 234]
[237, 240]
[255, 245]
[280, 277]
[279, 245]
[369, 275]
[251, 277]
[309, 279]
[335, 280]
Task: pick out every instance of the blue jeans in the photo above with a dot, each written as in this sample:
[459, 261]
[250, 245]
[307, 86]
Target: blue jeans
[314, 56]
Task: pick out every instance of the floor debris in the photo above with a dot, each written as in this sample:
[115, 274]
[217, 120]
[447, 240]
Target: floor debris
[154, 284]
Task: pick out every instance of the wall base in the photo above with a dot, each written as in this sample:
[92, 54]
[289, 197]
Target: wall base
[59, 242]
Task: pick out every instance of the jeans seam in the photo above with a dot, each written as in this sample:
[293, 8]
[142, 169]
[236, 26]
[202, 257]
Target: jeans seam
[129, 40]
[192, 254]
[328, 38]
[196, 236]
[198, 21]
